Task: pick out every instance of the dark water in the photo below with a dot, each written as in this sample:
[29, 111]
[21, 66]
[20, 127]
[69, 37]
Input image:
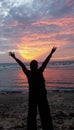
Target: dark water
[58, 74]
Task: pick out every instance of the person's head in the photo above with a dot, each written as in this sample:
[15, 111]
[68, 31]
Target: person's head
[33, 65]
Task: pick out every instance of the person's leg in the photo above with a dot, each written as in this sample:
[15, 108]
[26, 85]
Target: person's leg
[32, 111]
[44, 111]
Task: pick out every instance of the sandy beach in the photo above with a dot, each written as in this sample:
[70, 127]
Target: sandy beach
[14, 108]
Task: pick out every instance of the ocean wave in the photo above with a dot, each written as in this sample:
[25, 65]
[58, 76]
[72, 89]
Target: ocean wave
[59, 82]
[61, 64]
[4, 66]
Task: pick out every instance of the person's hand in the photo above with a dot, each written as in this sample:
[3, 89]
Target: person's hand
[12, 54]
[53, 49]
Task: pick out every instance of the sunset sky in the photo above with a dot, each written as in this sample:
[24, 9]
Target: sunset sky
[30, 28]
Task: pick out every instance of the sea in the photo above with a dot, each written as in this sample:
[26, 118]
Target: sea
[59, 75]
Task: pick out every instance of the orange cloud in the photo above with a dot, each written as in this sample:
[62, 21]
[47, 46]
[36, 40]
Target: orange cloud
[60, 22]
[34, 37]
[34, 45]
[65, 58]
[33, 51]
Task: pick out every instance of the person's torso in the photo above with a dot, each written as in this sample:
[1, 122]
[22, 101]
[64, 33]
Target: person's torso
[36, 81]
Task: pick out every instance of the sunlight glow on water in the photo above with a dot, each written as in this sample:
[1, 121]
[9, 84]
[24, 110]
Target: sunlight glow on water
[12, 77]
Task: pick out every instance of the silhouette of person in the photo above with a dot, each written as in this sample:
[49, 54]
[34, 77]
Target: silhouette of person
[37, 93]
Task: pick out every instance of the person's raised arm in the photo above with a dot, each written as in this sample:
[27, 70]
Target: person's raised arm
[47, 59]
[18, 61]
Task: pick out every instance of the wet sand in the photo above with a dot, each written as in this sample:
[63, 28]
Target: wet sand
[14, 108]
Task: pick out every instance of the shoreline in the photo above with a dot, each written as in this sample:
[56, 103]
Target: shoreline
[52, 89]
[14, 109]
